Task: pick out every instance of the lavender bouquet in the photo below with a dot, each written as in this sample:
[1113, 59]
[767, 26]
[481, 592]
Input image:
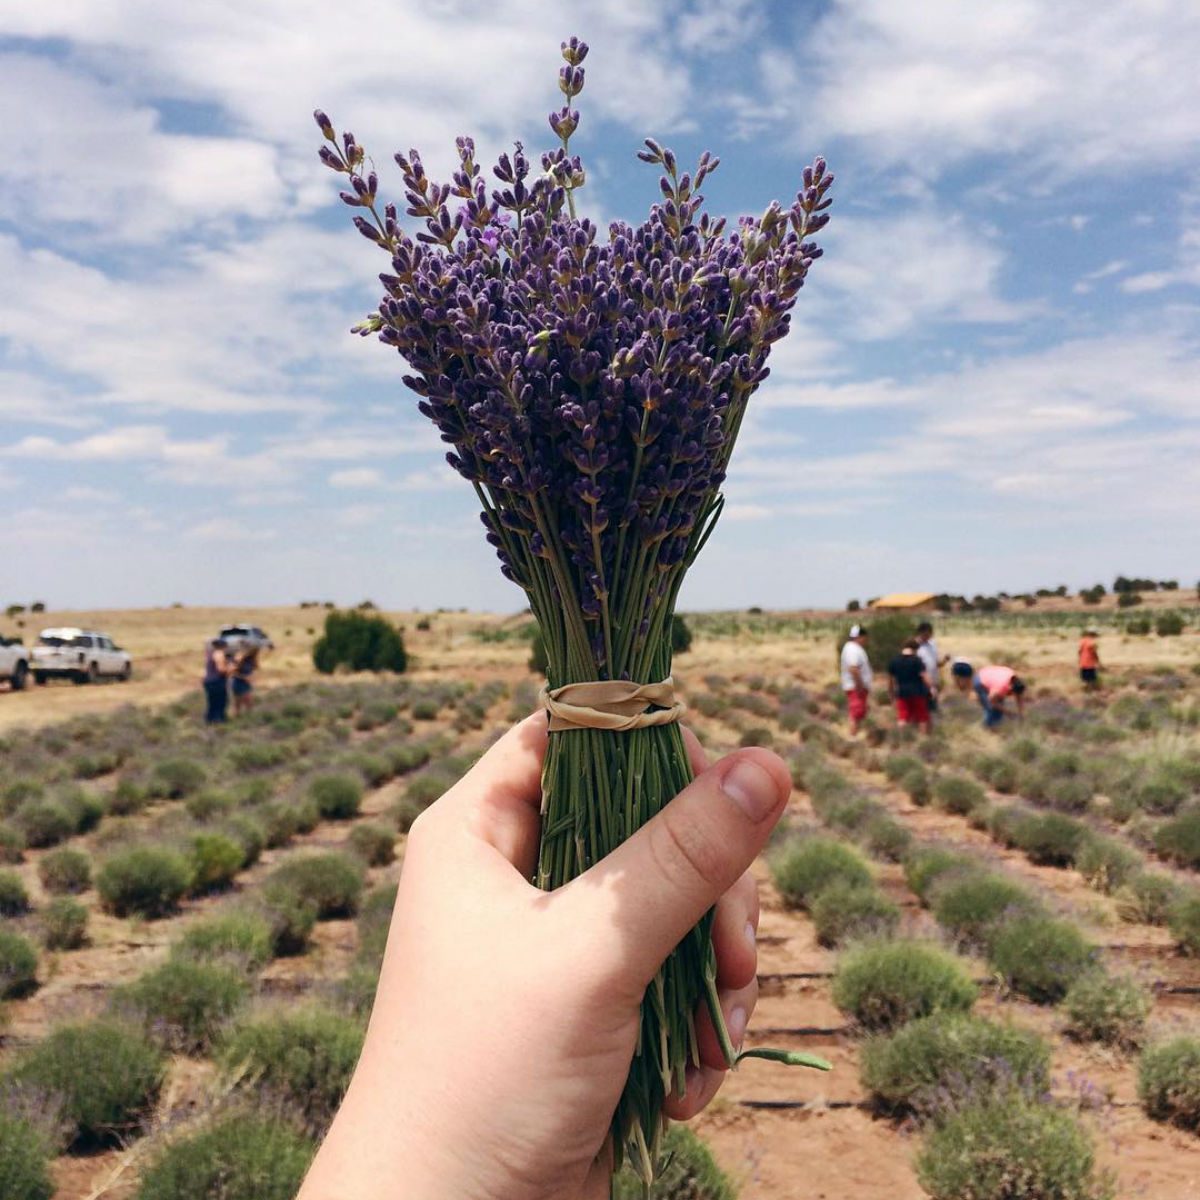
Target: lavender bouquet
[591, 388]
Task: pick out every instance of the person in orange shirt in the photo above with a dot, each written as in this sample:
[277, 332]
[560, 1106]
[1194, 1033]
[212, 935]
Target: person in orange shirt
[1089, 660]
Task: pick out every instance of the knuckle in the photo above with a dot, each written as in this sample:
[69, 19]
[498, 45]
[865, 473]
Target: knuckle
[683, 849]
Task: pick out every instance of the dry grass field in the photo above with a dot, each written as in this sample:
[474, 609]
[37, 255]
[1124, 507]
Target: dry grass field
[1073, 812]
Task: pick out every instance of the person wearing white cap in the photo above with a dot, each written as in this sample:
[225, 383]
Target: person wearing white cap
[856, 676]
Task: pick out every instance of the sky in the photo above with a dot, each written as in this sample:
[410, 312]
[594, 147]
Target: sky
[993, 380]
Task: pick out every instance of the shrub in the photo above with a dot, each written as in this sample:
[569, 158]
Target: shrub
[18, 964]
[240, 937]
[1184, 923]
[214, 859]
[243, 1156]
[928, 865]
[1168, 624]
[1005, 822]
[1148, 898]
[290, 915]
[175, 778]
[209, 803]
[805, 866]
[1040, 956]
[250, 836]
[43, 823]
[888, 633]
[690, 1173]
[337, 797]
[884, 984]
[83, 810]
[14, 899]
[681, 635]
[1009, 1148]
[885, 837]
[940, 1061]
[301, 1059]
[105, 1074]
[12, 844]
[1169, 1082]
[404, 812]
[1107, 1008]
[374, 920]
[971, 906]
[283, 820]
[128, 797]
[185, 1003]
[426, 710]
[1179, 839]
[896, 766]
[1051, 839]
[65, 870]
[958, 794]
[25, 1151]
[374, 844]
[146, 880]
[916, 783]
[64, 924]
[843, 910]
[333, 882]
[758, 736]
[1107, 863]
[361, 642]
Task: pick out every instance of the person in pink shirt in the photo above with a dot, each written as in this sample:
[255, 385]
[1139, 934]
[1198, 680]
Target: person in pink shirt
[992, 685]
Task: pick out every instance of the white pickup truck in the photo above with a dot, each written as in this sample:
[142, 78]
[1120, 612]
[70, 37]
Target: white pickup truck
[79, 654]
[14, 663]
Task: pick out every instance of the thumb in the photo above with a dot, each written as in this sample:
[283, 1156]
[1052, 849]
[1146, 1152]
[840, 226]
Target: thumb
[660, 882]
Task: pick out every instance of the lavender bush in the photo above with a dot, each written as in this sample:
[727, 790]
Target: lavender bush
[591, 388]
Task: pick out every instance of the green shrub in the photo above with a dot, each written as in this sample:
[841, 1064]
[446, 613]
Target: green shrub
[249, 835]
[958, 794]
[938, 1062]
[290, 915]
[681, 635]
[240, 937]
[301, 1059]
[184, 1003]
[12, 843]
[1169, 624]
[146, 880]
[64, 923]
[333, 882]
[1107, 1008]
[804, 866]
[374, 921]
[972, 906]
[883, 984]
[337, 797]
[404, 812]
[374, 844]
[243, 1156]
[175, 778]
[256, 756]
[1009, 1148]
[843, 911]
[917, 784]
[896, 766]
[1040, 956]
[1107, 863]
[14, 899]
[1179, 839]
[426, 710]
[1184, 923]
[924, 868]
[689, 1172]
[128, 797]
[1051, 839]
[43, 823]
[105, 1074]
[374, 769]
[18, 964]
[1148, 898]
[284, 819]
[360, 642]
[1169, 1082]
[65, 870]
[83, 810]
[213, 859]
[758, 736]
[25, 1152]
[1160, 794]
[885, 837]
[209, 803]
[1005, 823]
[888, 633]
[1000, 772]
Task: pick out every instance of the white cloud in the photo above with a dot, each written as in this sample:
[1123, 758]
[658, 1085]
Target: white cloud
[1063, 86]
[225, 529]
[356, 477]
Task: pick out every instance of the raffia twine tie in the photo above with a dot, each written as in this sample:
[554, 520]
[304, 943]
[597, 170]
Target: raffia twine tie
[616, 704]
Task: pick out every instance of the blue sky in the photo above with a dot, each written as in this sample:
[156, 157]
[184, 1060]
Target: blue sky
[993, 381]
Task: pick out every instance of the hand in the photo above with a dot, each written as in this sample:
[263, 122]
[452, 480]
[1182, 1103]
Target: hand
[506, 1017]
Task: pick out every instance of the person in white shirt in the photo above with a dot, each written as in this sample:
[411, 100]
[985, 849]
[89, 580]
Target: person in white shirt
[856, 676]
[928, 652]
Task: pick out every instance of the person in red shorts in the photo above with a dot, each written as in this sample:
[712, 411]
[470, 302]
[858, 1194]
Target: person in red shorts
[856, 676]
[908, 685]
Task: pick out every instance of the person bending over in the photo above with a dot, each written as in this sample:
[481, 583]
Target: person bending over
[506, 1017]
[992, 686]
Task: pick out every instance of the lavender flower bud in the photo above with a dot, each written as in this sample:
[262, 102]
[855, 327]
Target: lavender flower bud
[574, 51]
[325, 125]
